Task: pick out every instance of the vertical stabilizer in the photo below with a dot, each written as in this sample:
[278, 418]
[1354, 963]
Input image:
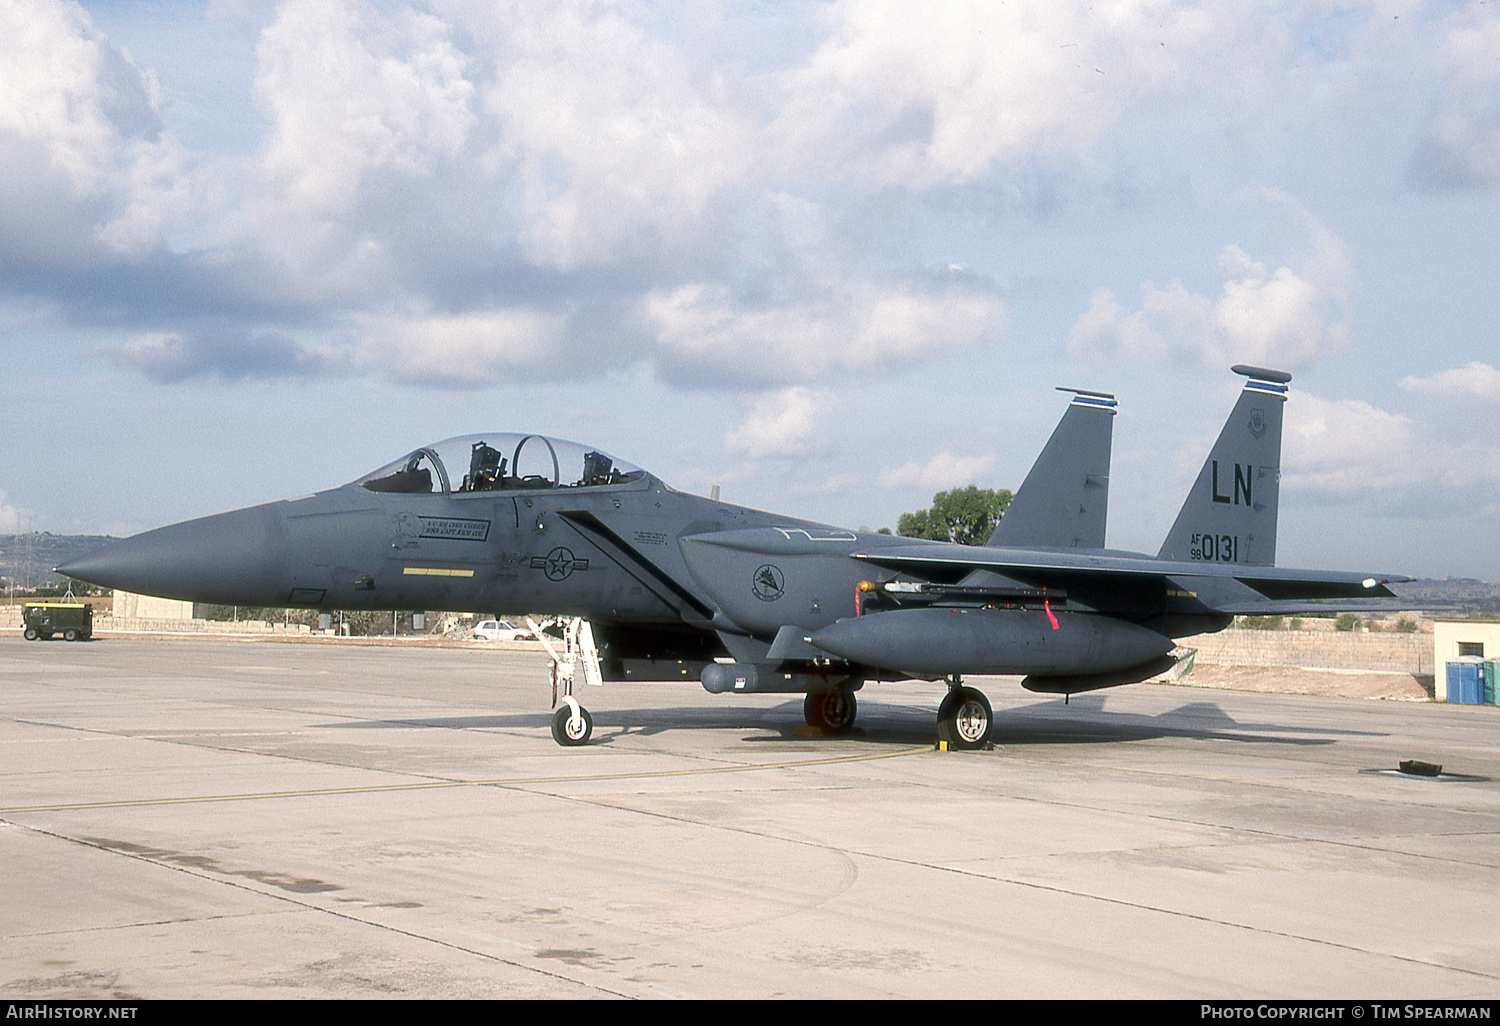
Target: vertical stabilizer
[1230, 513]
[1065, 497]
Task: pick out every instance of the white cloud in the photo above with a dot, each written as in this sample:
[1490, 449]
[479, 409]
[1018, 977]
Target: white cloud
[10, 516]
[1279, 318]
[615, 132]
[1462, 148]
[850, 328]
[1286, 318]
[787, 423]
[406, 142]
[53, 71]
[229, 355]
[351, 93]
[943, 471]
[1459, 455]
[371, 114]
[571, 133]
[941, 94]
[1474, 382]
[1171, 324]
[85, 161]
[473, 349]
[464, 157]
[1352, 451]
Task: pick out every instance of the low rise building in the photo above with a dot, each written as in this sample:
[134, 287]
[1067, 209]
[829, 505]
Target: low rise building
[1466, 660]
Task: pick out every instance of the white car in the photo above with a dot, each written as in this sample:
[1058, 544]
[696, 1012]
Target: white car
[501, 630]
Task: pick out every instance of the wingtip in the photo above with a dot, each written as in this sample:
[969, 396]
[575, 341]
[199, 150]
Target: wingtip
[1261, 373]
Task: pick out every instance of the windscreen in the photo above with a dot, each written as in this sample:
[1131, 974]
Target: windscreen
[500, 462]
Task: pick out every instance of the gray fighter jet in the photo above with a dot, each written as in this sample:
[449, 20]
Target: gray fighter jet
[660, 585]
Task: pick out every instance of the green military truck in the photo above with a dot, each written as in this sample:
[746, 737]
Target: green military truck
[73, 620]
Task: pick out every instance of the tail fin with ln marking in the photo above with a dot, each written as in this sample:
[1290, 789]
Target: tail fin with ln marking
[1230, 513]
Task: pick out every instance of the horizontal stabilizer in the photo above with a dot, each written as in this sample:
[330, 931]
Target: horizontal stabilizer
[1316, 586]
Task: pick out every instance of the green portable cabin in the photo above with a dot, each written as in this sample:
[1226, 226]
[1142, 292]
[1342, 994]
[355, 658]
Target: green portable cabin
[73, 620]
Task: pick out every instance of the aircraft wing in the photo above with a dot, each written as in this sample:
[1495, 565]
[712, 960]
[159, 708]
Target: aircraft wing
[1059, 569]
[1351, 604]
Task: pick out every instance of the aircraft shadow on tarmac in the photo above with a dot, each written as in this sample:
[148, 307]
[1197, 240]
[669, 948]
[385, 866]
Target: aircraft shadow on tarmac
[1083, 720]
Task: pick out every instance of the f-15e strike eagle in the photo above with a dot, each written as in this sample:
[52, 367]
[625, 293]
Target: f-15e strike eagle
[660, 585]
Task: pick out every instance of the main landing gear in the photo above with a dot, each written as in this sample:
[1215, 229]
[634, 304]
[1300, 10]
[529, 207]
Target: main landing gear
[964, 717]
[832, 712]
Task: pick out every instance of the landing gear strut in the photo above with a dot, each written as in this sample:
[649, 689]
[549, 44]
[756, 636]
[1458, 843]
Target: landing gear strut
[571, 723]
[964, 717]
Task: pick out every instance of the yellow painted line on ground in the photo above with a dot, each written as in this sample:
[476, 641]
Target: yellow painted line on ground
[429, 785]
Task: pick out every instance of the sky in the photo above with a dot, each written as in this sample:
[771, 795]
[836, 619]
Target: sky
[832, 257]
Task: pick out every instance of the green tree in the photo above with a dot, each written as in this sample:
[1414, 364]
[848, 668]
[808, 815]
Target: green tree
[1262, 623]
[964, 515]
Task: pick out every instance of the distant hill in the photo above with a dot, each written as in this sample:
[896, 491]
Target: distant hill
[1465, 594]
[28, 559]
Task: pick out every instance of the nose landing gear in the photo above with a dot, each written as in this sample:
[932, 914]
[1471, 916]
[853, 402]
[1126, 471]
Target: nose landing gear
[571, 723]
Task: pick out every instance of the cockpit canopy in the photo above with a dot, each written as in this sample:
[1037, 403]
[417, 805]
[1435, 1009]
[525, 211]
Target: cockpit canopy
[500, 462]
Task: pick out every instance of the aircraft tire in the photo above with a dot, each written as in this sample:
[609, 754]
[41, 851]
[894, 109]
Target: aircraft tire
[964, 719]
[560, 727]
[832, 711]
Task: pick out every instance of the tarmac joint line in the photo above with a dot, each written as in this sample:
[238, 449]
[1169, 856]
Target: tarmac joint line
[434, 784]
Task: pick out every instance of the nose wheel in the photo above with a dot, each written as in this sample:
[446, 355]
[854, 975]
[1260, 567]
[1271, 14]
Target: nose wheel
[572, 725]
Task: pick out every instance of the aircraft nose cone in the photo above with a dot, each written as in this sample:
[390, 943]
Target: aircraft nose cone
[234, 558]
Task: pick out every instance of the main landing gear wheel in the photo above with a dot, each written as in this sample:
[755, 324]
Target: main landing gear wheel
[569, 732]
[964, 719]
[832, 711]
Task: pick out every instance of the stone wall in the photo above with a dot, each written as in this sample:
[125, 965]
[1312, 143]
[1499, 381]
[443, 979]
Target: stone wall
[153, 625]
[1335, 650]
